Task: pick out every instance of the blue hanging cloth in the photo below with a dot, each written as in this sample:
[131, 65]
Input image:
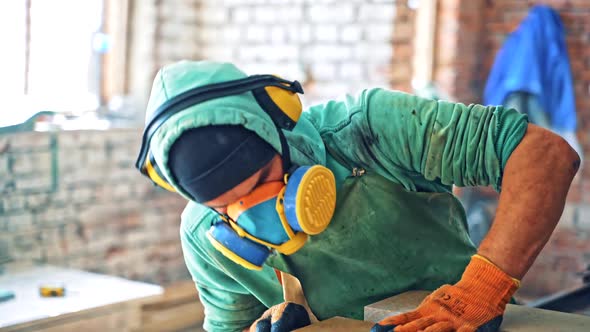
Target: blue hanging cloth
[534, 60]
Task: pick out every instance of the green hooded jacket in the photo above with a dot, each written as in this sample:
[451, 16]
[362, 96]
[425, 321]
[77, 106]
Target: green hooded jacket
[396, 226]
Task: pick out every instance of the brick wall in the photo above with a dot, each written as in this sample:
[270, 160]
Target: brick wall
[458, 48]
[333, 47]
[74, 199]
[469, 34]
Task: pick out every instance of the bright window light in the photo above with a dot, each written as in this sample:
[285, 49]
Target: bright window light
[62, 70]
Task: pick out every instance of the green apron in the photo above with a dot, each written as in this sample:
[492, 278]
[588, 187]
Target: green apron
[383, 240]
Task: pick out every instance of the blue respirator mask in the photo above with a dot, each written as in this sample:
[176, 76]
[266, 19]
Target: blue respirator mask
[276, 215]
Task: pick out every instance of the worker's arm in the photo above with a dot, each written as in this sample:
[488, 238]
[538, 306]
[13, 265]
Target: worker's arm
[422, 144]
[404, 137]
[228, 305]
[472, 145]
[535, 183]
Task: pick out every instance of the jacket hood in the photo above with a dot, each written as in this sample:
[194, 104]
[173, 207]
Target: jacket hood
[305, 144]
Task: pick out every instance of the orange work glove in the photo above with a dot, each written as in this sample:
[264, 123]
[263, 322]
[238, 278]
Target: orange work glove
[476, 303]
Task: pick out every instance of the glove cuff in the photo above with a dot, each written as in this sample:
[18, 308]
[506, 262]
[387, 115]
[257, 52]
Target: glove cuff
[488, 282]
[516, 281]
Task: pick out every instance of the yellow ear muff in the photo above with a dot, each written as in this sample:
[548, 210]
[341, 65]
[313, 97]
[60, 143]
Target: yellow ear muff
[154, 174]
[287, 101]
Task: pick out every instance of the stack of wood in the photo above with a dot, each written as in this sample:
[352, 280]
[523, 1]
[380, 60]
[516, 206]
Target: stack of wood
[178, 309]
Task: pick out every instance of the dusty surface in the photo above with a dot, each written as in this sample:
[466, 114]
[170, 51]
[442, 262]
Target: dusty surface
[516, 319]
[338, 324]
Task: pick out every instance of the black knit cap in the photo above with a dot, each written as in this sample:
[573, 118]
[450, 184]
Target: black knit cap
[208, 161]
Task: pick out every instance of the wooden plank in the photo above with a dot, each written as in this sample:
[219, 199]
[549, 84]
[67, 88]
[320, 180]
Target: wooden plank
[111, 316]
[174, 318]
[176, 309]
[87, 294]
[517, 318]
[175, 294]
[338, 324]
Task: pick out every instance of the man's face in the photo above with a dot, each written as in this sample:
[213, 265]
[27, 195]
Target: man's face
[272, 171]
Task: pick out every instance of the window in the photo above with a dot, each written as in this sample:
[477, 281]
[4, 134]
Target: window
[51, 57]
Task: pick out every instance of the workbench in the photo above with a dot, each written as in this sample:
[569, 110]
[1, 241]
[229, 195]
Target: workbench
[92, 301]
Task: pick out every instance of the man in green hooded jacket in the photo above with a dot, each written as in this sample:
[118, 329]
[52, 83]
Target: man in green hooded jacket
[351, 197]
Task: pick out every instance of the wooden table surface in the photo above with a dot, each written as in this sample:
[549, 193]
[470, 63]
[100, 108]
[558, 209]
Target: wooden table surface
[84, 290]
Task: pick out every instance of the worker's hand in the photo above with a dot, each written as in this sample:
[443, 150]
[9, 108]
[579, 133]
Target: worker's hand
[283, 317]
[476, 303]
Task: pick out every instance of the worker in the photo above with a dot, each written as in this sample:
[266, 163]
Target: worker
[351, 197]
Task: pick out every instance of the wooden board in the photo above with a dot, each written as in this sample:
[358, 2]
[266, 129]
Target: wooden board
[338, 324]
[90, 300]
[516, 319]
[177, 309]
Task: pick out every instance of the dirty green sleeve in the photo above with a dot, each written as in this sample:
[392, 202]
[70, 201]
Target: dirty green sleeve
[422, 144]
[454, 143]
[228, 305]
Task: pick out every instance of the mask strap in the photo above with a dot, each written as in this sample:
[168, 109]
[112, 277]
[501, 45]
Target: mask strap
[286, 154]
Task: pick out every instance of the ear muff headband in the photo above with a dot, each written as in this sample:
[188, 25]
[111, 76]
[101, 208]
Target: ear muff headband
[282, 119]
